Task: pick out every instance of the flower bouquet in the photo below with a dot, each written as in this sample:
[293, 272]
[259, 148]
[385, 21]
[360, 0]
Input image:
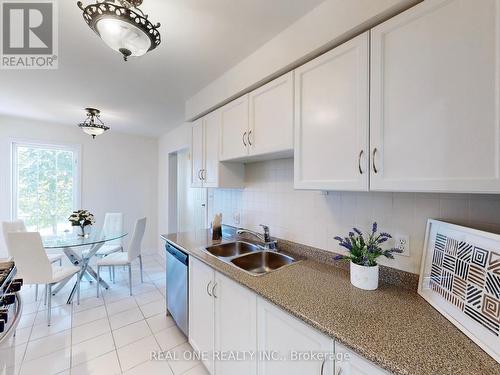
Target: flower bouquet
[363, 253]
[82, 219]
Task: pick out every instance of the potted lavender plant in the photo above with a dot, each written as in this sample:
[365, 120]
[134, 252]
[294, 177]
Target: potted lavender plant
[82, 219]
[363, 253]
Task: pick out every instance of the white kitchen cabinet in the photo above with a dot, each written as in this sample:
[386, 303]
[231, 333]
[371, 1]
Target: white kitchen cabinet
[259, 125]
[332, 119]
[222, 319]
[201, 310]
[234, 129]
[207, 170]
[211, 155]
[285, 336]
[435, 98]
[197, 145]
[349, 363]
[235, 326]
[271, 118]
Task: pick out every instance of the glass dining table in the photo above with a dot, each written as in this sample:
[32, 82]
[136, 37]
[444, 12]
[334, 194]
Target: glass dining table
[80, 251]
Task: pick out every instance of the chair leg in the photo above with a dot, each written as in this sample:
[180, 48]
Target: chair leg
[98, 279]
[49, 303]
[78, 282]
[110, 275]
[60, 262]
[36, 292]
[45, 296]
[113, 274]
[140, 266]
[130, 277]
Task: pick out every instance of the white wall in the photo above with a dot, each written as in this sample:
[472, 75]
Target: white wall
[313, 218]
[329, 24]
[173, 141]
[119, 172]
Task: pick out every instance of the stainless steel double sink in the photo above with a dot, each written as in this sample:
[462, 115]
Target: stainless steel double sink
[249, 257]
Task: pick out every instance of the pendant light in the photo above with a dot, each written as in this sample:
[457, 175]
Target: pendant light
[122, 26]
[93, 125]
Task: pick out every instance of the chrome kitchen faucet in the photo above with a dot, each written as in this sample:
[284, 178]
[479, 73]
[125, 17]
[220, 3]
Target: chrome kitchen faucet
[269, 244]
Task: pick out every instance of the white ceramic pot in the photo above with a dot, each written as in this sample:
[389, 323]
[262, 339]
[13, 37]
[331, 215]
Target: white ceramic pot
[364, 277]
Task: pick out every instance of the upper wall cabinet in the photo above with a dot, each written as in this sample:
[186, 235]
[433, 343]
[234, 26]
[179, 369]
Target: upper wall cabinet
[206, 169]
[271, 118]
[197, 153]
[234, 129]
[259, 125]
[331, 119]
[435, 98]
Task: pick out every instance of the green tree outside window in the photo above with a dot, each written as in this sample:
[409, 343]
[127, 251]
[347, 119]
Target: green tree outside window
[45, 191]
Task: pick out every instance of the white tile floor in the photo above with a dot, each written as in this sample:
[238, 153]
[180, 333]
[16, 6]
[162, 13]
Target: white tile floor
[114, 334]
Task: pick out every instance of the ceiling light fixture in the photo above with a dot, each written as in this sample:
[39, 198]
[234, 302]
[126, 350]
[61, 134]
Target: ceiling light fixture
[124, 27]
[93, 125]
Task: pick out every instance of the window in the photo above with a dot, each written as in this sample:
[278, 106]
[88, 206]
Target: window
[45, 188]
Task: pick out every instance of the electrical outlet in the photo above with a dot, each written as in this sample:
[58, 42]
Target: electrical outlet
[402, 242]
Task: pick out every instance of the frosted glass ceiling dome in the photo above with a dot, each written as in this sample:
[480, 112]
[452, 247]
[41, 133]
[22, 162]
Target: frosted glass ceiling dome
[124, 28]
[93, 125]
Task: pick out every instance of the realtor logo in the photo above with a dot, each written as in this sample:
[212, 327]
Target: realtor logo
[28, 35]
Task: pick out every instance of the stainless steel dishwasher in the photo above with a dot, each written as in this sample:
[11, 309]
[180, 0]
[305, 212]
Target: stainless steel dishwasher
[177, 286]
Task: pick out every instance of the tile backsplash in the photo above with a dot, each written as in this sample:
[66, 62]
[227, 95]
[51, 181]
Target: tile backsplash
[313, 218]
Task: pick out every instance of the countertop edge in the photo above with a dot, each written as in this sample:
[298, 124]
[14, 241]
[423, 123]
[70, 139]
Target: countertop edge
[389, 364]
[304, 319]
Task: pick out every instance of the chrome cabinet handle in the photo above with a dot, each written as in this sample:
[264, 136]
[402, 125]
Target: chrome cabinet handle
[213, 290]
[208, 287]
[203, 174]
[199, 175]
[359, 161]
[244, 135]
[375, 170]
[322, 367]
[248, 138]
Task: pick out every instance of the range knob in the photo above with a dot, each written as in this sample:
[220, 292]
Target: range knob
[4, 316]
[9, 299]
[19, 281]
[14, 286]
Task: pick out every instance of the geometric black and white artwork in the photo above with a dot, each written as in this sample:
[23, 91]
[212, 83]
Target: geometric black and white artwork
[460, 276]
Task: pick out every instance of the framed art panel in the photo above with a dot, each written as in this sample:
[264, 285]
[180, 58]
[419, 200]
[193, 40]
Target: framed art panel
[460, 277]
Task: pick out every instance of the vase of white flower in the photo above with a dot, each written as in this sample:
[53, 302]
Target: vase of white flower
[363, 253]
[82, 219]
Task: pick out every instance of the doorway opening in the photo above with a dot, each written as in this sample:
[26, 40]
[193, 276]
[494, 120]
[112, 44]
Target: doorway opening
[187, 209]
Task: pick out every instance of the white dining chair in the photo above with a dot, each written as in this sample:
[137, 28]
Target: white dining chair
[32, 262]
[18, 226]
[126, 259]
[113, 223]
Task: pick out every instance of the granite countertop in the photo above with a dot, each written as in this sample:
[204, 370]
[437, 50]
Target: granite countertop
[392, 326]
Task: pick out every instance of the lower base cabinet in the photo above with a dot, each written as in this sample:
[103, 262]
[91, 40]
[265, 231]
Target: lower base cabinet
[239, 333]
[235, 328]
[201, 311]
[292, 342]
[222, 321]
[349, 363]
